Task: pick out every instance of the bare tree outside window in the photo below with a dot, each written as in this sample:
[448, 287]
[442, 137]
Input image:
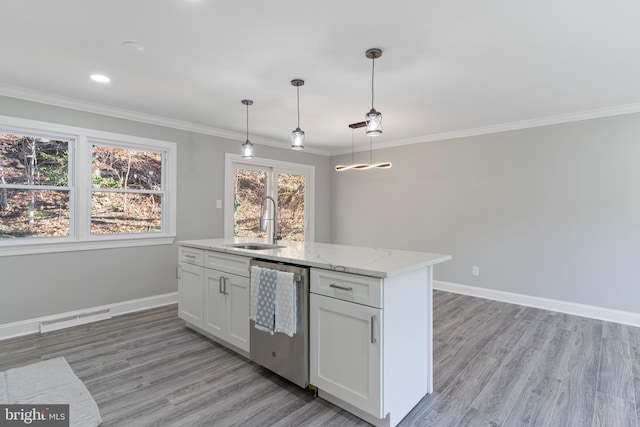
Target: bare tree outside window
[250, 188]
[126, 195]
[34, 192]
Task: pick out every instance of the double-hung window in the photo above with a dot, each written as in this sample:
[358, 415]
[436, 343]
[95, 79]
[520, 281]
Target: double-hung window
[64, 188]
[35, 185]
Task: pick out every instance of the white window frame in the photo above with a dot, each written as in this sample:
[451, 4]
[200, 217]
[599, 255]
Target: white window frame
[275, 166]
[80, 168]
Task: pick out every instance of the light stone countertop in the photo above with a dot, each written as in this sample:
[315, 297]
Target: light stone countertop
[374, 262]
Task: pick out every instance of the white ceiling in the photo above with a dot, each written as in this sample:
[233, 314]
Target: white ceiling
[448, 67]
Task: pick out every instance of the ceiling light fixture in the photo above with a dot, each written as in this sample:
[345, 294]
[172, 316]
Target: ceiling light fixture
[297, 135]
[247, 147]
[133, 46]
[373, 118]
[362, 166]
[100, 78]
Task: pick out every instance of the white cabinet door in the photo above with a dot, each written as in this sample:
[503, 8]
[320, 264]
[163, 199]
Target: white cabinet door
[190, 293]
[237, 288]
[345, 352]
[215, 302]
[227, 307]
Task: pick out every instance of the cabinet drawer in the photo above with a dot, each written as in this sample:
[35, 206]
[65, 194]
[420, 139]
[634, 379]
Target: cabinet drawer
[233, 264]
[349, 287]
[190, 255]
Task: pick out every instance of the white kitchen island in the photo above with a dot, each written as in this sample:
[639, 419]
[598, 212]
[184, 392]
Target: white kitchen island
[370, 330]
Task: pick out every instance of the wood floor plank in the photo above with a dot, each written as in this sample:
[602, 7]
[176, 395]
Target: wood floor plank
[493, 361]
[313, 414]
[574, 406]
[611, 411]
[452, 404]
[554, 356]
[475, 418]
[504, 387]
[615, 331]
[541, 330]
[635, 366]
[457, 358]
[616, 375]
[535, 403]
[584, 361]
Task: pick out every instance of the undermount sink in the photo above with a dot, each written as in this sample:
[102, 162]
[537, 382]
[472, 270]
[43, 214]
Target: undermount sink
[254, 246]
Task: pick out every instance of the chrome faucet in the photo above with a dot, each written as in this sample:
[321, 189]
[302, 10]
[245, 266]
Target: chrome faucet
[265, 217]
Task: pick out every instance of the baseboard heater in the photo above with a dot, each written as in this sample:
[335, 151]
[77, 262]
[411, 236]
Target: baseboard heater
[74, 320]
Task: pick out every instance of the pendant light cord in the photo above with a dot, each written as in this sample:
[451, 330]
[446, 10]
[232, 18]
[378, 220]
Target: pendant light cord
[298, 93]
[247, 121]
[373, 71]
[351, 146]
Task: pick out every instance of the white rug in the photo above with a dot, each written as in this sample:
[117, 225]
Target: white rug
[50, 382]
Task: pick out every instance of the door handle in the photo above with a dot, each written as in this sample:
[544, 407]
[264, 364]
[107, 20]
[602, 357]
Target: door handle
[373, 338]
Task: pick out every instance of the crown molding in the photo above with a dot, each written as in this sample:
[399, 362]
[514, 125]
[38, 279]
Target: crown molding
[504, 127]
[122, 113]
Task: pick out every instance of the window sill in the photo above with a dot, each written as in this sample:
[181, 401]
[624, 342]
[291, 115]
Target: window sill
[43, 248]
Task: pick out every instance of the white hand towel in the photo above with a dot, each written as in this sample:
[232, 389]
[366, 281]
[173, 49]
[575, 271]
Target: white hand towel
[286, 303]
[255, 288]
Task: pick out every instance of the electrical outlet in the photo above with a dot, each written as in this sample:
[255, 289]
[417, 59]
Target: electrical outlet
[475, 270]
[219, 204]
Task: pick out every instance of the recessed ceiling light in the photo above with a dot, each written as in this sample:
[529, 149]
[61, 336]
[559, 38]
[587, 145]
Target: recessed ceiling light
[133, 46]
[100, 78]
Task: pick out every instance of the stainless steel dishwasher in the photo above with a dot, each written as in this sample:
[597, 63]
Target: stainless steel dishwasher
[284, 355]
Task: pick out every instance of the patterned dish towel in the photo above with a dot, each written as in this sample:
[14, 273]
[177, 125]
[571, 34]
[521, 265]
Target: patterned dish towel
[273, 307]
[266, 307]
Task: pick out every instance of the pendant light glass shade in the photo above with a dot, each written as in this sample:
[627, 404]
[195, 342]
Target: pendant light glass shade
[374, 123]
[297, 139]
[373, 118]
[297, 135]
[247, 150]
[247, 147]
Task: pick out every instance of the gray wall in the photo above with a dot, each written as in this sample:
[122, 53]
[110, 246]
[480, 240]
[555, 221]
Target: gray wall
[32, 286]
[551, 212]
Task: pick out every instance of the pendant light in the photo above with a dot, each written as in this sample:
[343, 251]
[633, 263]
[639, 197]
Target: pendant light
[247, 147]
[362, 166]
[373, 118]
[297, 135]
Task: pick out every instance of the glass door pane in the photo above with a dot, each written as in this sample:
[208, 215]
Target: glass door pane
[250, 188]
[291, 192]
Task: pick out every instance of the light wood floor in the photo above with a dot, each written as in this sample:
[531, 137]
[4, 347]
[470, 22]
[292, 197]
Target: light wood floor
[496, 364]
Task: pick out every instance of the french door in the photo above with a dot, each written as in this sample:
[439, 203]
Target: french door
[247, 186]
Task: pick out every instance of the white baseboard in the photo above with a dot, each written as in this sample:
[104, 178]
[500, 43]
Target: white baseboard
[31, 326]
[593, 312]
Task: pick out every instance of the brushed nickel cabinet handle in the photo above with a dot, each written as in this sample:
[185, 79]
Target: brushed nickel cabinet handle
[220, 285]
[342, 288]
[373, 339]
[226, 280]
[189, 256]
